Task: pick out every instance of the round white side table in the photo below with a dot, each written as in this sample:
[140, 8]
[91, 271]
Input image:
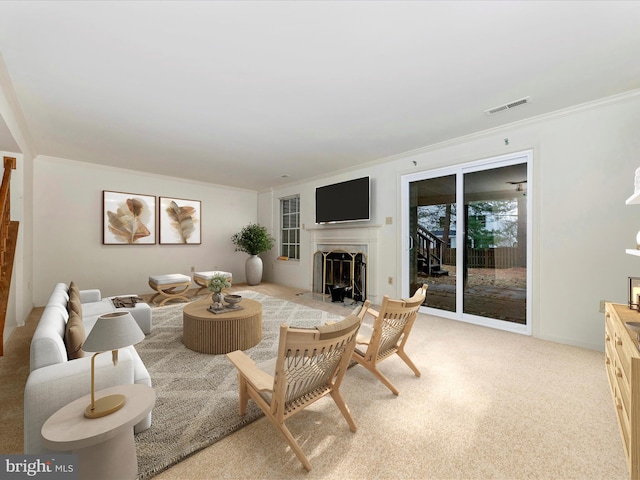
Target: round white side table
[105, 445]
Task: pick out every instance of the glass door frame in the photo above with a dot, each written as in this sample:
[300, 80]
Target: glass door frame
[407, 243]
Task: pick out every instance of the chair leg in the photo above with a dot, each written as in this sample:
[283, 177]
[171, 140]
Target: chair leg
[337, 397]
[377, 373]
[243, 395]
[282, 428]
[407, 360]
[387, 383]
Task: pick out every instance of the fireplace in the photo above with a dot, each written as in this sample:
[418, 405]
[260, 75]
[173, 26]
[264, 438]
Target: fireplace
[345, 256]
[341, 274]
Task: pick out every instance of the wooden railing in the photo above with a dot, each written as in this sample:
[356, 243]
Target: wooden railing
[8, 241]
[431, 248]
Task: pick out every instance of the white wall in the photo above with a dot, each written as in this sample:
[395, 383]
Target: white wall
[583, 169]
[68, 229]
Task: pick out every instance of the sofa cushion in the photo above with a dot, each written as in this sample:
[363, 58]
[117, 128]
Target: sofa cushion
[74, 336]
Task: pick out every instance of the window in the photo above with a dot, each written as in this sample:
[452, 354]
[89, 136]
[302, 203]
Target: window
[290, 227]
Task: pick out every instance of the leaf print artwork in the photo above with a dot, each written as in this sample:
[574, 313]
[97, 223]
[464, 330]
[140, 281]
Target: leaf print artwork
[179, 221]
[182, 220]
[128, 223]
[128, 219]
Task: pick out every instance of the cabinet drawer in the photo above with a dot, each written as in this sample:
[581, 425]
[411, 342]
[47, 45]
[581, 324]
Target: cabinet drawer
[623, 421]
[623, 388]
[609, 321]
[609, 365]
[623, 346]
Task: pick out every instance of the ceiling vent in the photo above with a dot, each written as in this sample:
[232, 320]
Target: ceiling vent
[508, 106]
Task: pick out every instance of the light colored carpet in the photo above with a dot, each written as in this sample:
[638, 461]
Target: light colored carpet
[196, 393]
[489, 405]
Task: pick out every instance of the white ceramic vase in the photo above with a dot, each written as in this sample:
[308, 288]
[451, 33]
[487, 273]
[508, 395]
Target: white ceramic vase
[253, 270]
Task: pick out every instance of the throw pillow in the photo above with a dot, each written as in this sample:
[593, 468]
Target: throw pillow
[75, 306]
[74, 290]
[74, 303]
[74, 336]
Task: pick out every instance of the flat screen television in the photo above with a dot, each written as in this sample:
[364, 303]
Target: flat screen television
[343, 202]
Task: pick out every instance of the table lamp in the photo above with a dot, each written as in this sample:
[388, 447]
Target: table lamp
[111, 332]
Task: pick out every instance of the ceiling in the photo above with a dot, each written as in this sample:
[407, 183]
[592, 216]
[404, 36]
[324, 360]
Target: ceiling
[261, 94]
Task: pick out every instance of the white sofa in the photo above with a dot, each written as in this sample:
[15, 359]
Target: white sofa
[55, 380]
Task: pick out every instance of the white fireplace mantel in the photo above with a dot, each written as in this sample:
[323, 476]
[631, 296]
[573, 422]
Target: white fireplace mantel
[344, 237]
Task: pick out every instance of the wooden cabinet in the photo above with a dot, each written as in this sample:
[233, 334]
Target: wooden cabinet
[622, 359]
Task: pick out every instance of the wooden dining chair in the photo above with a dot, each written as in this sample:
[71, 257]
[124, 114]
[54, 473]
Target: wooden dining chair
[388, 334]
[310, 364]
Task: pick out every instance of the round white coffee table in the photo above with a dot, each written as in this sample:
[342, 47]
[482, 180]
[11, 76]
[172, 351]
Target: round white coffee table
[105, 445]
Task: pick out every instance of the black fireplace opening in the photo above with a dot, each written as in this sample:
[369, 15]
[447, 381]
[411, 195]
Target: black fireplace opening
[345, 276]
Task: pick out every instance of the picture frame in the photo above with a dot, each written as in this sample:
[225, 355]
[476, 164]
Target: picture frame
[634, 293]
[180, 221]
[128, 218]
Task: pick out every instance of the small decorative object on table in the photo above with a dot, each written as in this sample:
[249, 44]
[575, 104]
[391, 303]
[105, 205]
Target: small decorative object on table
[634, 293]
[216, 284]
[232, 301]
[126, 302]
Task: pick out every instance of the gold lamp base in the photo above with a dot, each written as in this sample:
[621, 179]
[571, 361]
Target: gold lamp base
[105, 406]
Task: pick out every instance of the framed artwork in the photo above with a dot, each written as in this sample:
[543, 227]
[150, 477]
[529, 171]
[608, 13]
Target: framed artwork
[180, 221]
[128, 218]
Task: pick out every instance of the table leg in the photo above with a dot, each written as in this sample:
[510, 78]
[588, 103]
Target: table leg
[113, 459]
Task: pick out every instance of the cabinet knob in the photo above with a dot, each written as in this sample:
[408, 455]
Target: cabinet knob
[618, 372]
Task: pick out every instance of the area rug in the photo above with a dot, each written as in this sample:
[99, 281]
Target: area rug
[196, 393]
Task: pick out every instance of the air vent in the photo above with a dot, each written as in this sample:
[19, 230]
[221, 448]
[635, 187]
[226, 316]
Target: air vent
[508, 106]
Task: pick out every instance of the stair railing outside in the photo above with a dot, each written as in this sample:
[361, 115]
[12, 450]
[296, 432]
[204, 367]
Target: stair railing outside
[430, 247]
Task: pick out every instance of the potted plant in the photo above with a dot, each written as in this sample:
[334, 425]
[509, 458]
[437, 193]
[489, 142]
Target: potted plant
[253, 239]
[216, 284]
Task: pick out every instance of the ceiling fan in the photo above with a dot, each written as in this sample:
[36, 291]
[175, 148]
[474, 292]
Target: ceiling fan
[519, 187]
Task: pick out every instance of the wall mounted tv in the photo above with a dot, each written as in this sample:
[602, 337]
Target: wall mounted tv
[343, 202]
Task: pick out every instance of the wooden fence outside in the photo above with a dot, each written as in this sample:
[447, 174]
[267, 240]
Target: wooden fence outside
[500, 257]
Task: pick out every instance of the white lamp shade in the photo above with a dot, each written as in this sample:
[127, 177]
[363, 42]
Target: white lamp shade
[113, 331]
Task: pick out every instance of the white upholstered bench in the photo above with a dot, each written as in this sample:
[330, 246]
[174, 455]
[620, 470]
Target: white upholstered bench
[202, 278]
[166, 285]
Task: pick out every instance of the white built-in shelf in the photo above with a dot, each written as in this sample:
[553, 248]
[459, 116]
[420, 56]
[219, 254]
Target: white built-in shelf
[633, 199]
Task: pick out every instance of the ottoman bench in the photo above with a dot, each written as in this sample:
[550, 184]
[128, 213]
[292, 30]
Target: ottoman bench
[202, 278]
[166, 286]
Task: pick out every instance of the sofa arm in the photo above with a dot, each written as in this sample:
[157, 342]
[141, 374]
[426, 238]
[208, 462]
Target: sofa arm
[92, 295]
[50, 388]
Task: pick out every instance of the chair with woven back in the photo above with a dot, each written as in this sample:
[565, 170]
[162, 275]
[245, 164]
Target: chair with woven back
[388, 334]
[310, 364]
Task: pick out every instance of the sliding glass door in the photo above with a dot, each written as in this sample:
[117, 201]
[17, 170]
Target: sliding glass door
[467, 237]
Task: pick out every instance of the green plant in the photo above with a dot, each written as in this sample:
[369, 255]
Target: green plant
[217, 283]
[253, 239]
